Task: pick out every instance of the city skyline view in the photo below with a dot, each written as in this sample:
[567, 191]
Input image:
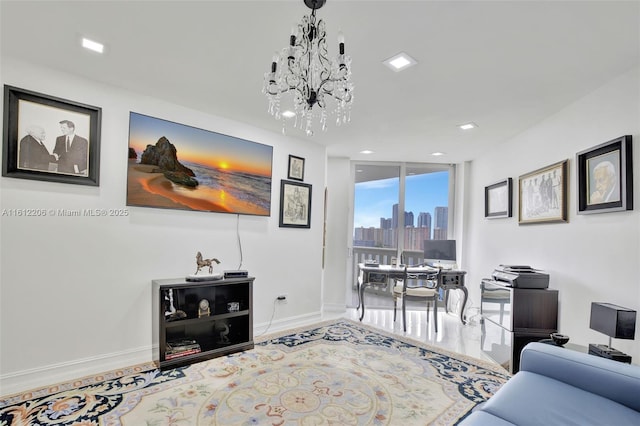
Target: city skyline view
[423, 193]
[376, 215]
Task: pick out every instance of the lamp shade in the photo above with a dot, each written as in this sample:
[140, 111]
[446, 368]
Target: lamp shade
[613, 320]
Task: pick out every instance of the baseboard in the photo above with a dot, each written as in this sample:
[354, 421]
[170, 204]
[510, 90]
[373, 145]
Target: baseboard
[332, 309]
[49, 375]
[285, 324]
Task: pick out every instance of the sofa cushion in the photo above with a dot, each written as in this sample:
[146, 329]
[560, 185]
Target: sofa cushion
[480, 417]
[532, 399]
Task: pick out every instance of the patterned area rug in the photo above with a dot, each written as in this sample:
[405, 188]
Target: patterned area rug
[338, 372]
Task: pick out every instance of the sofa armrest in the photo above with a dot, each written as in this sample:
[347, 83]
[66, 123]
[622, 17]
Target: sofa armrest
[613, 380]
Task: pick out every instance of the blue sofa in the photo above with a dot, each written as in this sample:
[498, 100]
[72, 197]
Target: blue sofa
[558, 386]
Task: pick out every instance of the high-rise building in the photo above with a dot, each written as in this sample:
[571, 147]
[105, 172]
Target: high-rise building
[414, 238]
[424, 220]
[408, 219]
[385, 223]
[439, 233]
[441, 222]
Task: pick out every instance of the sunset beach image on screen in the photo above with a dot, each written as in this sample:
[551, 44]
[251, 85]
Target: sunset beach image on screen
[176, 166]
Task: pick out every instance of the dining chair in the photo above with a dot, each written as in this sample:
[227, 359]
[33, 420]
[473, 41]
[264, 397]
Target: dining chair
[416, 286]
[374, 280]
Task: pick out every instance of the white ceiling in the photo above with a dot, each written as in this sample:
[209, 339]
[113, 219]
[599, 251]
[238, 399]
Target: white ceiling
[505, 65]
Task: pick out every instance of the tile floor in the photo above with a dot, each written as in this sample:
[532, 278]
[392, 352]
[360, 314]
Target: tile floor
[452, 334]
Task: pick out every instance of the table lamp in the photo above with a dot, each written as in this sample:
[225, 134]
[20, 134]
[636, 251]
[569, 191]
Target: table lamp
[616, 322]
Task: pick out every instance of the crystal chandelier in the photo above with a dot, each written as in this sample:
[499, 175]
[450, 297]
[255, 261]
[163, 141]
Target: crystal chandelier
[304, 69]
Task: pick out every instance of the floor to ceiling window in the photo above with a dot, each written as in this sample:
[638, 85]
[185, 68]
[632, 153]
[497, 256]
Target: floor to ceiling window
[396, 207]
[376, 206]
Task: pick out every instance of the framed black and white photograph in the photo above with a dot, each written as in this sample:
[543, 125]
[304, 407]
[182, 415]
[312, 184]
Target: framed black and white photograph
[605, 177]
[542, 194]
[296, 168]
[49, 138]
[295, 205]
[498, 199]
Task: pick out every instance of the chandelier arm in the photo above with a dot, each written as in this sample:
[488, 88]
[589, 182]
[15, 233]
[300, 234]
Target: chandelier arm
[330, 80]
[323, 53]
[303, 42]
[282, 91]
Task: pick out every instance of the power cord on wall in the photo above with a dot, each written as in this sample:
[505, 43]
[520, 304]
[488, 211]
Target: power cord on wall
[240, 266]
[272, 315]
[239, 241]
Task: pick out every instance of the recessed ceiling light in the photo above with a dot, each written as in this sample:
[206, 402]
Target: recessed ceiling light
[288, 114]
[400, 62]
[92, 45]
[366, 151]
[437, 154]
[468, 126]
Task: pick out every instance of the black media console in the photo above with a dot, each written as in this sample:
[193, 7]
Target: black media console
[195, 321]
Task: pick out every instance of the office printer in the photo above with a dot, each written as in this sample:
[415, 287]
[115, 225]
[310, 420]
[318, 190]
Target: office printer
[520, 276]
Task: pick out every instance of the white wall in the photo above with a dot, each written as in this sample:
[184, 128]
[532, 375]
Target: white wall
[75, 292]
[338, 234]
[592, 258]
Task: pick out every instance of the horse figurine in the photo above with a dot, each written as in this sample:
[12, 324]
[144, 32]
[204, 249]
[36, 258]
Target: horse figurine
[204, 262]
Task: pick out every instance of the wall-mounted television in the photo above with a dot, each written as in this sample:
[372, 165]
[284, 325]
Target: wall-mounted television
[175, 166]
[440, 251]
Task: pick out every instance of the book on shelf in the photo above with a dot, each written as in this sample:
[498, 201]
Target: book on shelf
[181, 345]
[181, 348]
[174, 355]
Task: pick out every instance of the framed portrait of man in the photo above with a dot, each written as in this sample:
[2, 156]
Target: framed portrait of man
[605, 177]
[49, 138]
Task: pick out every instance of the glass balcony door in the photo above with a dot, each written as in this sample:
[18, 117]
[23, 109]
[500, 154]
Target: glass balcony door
[396, 207]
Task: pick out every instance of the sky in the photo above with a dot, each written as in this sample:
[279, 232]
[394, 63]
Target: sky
[200, 146]
[423, 193]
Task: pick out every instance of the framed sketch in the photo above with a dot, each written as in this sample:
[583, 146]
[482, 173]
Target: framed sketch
[295, 205]
[296, 168]
[605, 177]
[542, 195]
[498, 199]
[51, 139]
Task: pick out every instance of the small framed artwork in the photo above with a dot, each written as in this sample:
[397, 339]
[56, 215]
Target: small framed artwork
[296, 168]
[51, 139]
[295, 205]
[605, 177]
[498, 199]
[542, 194]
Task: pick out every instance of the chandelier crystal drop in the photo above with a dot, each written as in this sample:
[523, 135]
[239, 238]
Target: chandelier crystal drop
[303, 71]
